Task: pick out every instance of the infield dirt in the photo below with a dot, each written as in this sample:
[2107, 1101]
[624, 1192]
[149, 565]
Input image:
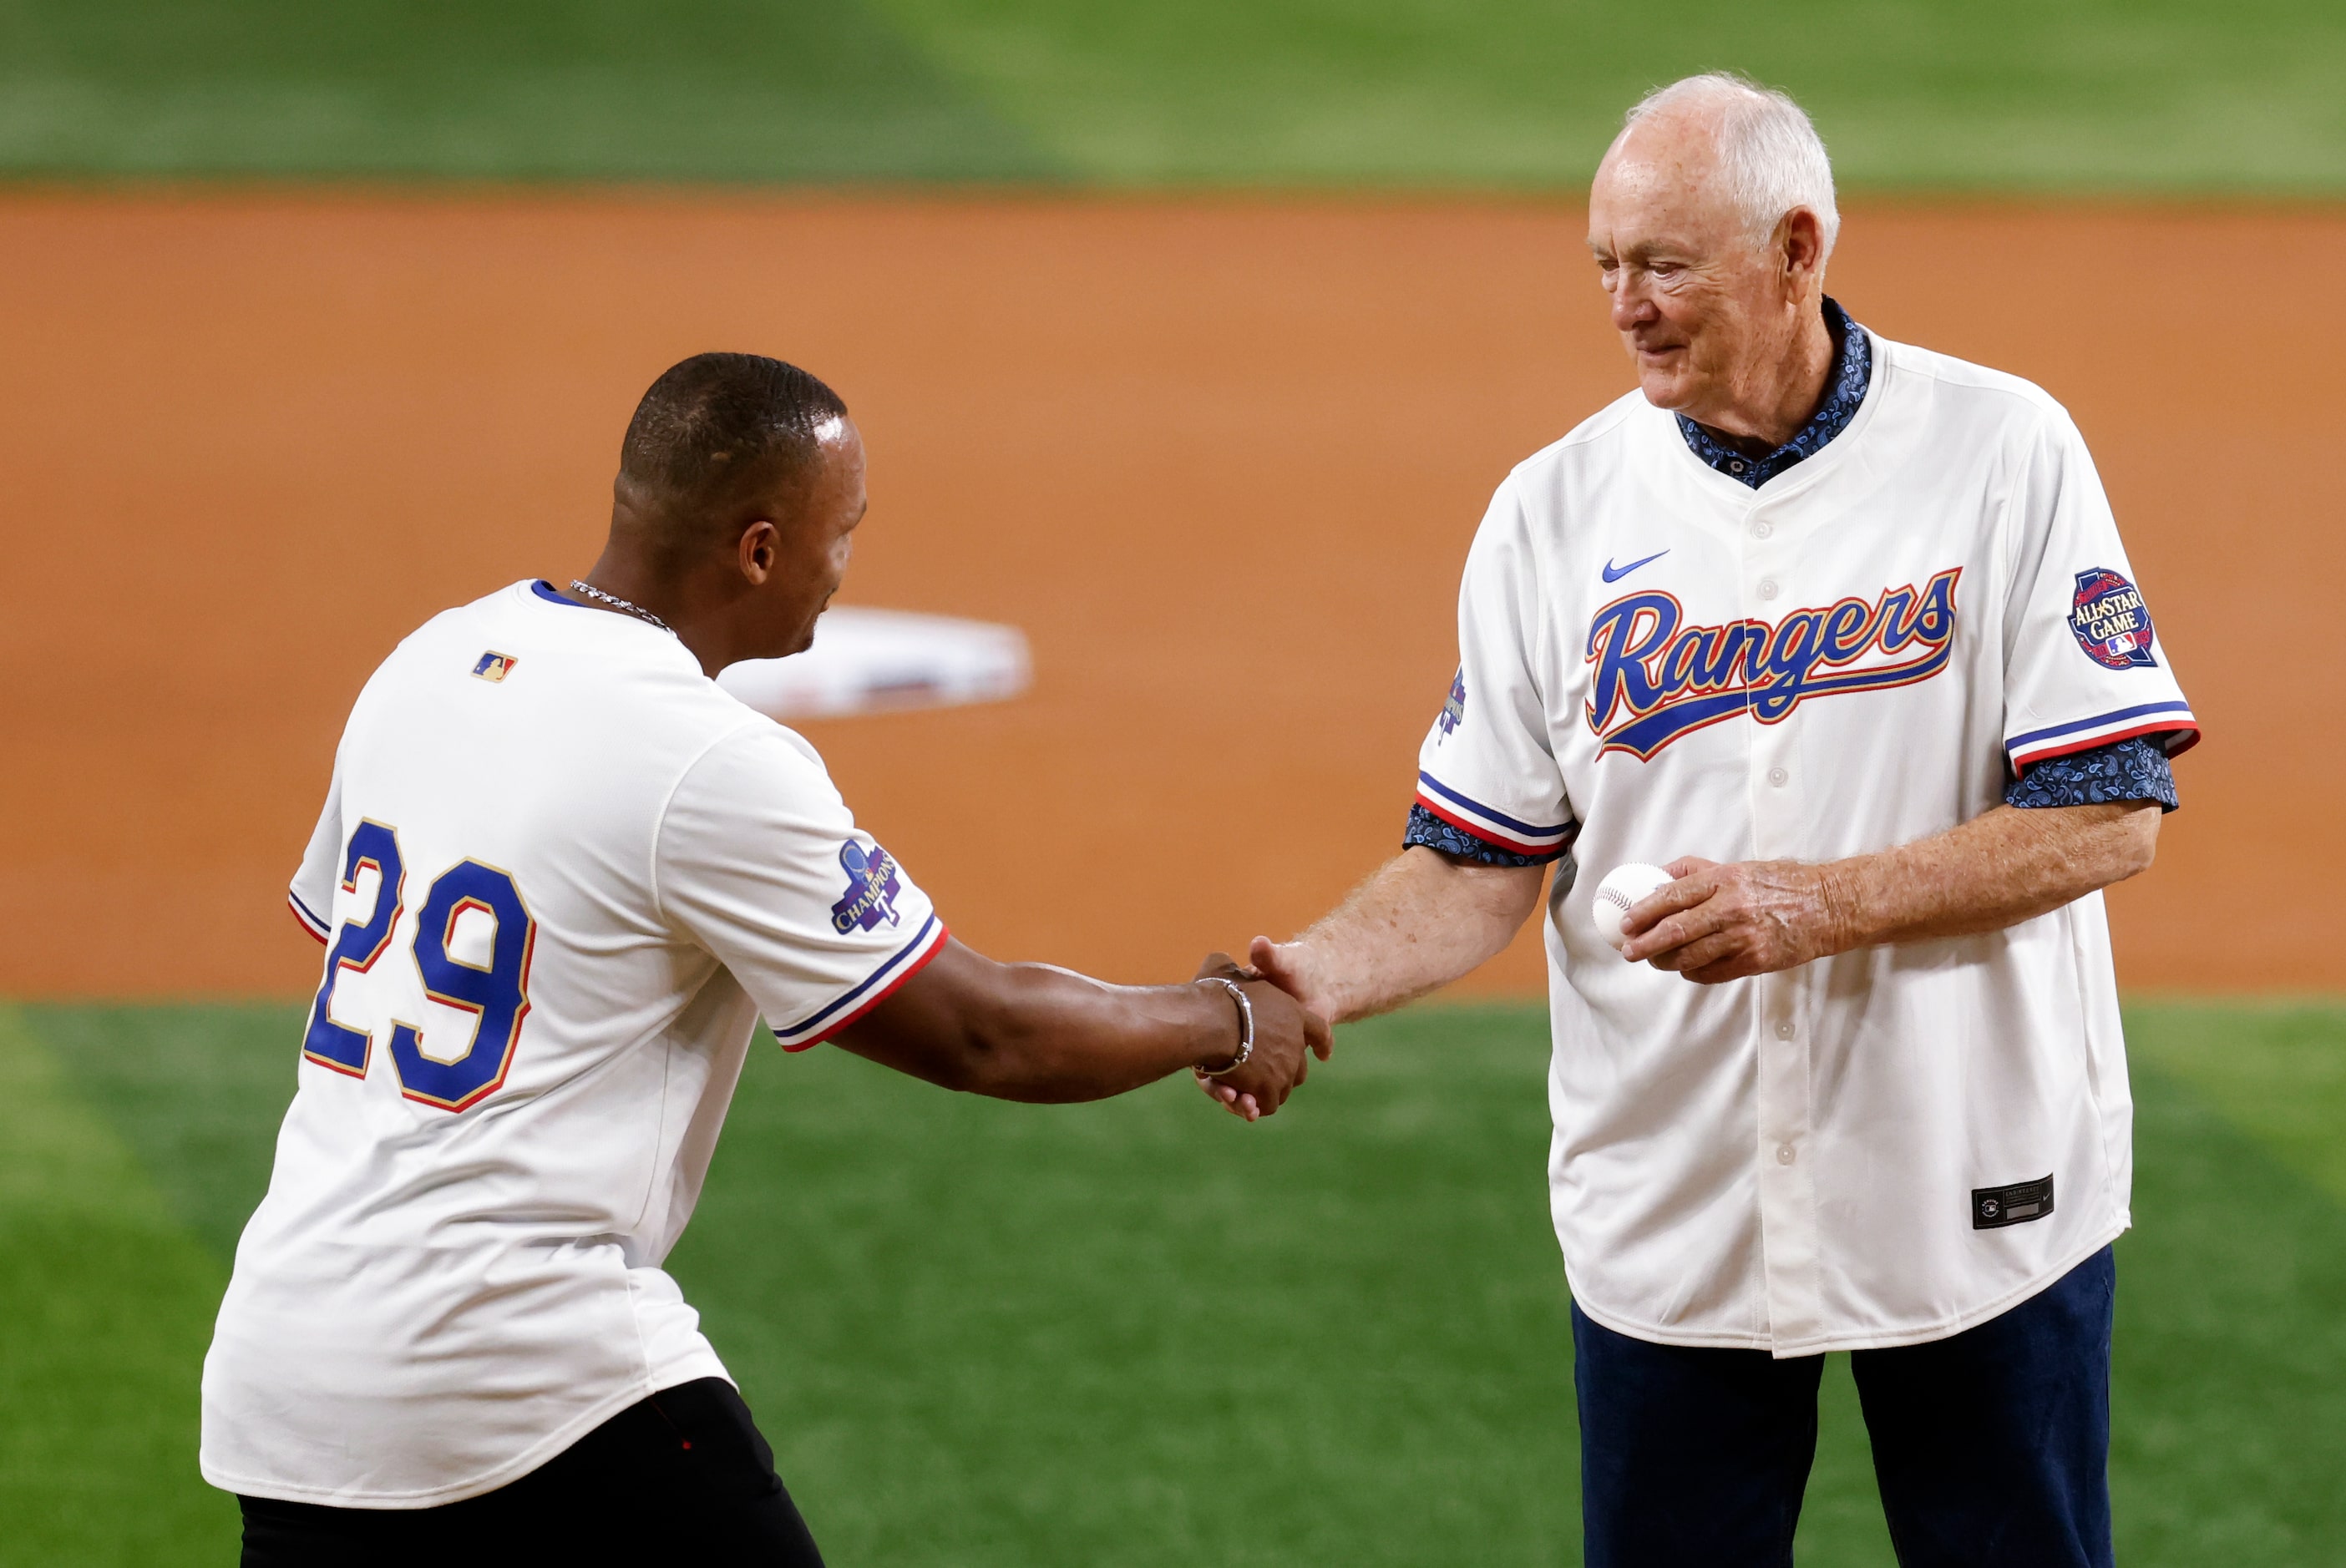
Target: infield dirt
[1220, 459]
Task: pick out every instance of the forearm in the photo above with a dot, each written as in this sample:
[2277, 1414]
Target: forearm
[1035, 1032]
[1420, 921]
[1715, 923]
[1051, 1035]
[2003, 867]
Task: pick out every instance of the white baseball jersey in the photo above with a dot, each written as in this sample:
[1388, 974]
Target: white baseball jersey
[562, 875]
[1893, 1145]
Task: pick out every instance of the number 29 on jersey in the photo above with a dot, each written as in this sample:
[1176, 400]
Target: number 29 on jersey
[496, 994]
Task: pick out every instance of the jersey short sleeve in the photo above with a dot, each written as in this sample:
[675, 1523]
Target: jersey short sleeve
[1487, 767]
[312, 896]
[2084, 665]
[760, 862]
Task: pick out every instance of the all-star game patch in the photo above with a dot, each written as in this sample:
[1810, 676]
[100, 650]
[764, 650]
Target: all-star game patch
[2110, 621]
[873, 884]
[1453, 712]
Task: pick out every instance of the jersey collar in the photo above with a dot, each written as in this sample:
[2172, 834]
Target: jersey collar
[654, 645]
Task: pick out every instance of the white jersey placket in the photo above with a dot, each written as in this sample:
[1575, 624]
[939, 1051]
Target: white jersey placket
[1785, 1129]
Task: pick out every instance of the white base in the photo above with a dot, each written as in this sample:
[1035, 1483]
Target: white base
[878, 661]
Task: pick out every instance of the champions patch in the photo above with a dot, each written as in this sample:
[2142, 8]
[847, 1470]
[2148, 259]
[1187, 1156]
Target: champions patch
[2110, 622]
[873, 884]
[1453, 712]
[1659, 678]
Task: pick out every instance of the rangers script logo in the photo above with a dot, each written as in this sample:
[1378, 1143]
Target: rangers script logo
[873, 884]
[1658, 679]
[2110, 621]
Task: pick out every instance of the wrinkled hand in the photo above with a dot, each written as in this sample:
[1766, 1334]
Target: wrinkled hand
[1722, 923]
[1288, 967]
[1287, 1036]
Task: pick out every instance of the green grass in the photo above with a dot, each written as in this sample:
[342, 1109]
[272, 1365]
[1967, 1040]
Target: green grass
[2277, 1069]
[105, 1306]
[1140, 1333]
[513, 89]
[2100, 95]
[2230, 1430]
[2105, 94]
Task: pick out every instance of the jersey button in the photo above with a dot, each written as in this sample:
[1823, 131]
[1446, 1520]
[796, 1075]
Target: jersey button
[1783, 1153]
[1762, 530]
[1767, 587]
[1779, 777]
[1784, 1029]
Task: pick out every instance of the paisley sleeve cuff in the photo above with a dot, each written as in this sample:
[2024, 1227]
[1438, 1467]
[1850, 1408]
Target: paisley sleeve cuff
[2131, 770]
[1434, 833]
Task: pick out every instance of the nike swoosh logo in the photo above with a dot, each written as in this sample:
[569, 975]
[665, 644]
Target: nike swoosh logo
[1613, 574]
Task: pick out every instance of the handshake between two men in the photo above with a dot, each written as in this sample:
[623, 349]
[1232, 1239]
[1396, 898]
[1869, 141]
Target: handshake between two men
[1426, 918]
[1039, 1032]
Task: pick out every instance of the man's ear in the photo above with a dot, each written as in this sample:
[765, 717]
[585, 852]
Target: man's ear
[1802, 244]
[760, 548]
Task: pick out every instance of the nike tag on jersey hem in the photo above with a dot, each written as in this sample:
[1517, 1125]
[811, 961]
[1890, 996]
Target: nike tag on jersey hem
[1994, 1208]
[1612, 574]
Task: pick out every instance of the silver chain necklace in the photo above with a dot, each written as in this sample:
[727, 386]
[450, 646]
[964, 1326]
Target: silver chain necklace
[617, 603]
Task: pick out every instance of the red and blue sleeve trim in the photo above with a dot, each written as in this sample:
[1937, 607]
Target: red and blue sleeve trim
[874, 989]
[1496, 828]
[1427, 830]
[309, 922]
[2171, 721]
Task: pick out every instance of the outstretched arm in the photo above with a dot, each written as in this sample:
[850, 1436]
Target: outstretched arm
[1033, 1032]
[2004, 866]
[1421, 921]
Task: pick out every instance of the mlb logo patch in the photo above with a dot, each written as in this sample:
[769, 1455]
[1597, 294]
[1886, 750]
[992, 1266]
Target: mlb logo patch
[494, 665]
[2110, 622]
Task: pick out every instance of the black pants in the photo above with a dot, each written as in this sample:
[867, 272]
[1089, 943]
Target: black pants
[683, 1478]
[1991, 1446]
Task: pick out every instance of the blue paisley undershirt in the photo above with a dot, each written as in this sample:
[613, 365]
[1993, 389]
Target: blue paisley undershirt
[1426, 829]
[2133, 769]
[1845, 382]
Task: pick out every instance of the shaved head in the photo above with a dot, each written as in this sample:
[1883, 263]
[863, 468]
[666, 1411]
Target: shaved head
[718, 432]
[741, 484]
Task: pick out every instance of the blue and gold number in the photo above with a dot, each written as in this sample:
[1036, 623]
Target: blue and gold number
[356, 947]
[496, 994]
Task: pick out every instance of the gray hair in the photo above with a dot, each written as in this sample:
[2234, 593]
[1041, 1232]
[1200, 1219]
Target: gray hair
[1771, 156]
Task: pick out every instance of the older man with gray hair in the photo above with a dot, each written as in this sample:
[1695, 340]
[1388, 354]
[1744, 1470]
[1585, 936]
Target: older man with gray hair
[1842, 631]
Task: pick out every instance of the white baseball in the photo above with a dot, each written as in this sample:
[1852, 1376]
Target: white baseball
[1622, 886]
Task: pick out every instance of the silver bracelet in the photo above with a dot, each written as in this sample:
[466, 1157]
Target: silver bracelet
[1246, 1028]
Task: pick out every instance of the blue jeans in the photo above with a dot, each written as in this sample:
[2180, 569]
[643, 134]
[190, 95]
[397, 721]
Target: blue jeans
[1991, 1446]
